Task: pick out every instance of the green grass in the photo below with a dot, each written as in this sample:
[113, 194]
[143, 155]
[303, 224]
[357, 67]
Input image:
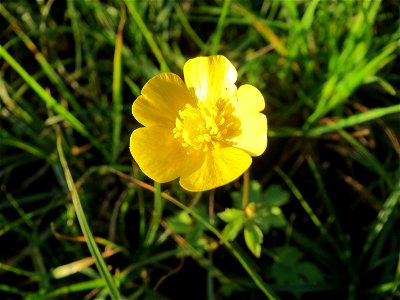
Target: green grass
[78, 219]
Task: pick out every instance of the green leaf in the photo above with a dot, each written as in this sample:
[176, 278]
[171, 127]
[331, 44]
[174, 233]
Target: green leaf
[276, 196]
[255, 191]
[232, 229]
[290, 269]
[253, 237]
[180, 222]
[271, 218]
[310, 272]
[231, 215]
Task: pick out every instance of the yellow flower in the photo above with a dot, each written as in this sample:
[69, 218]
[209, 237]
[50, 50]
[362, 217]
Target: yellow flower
[203, 130]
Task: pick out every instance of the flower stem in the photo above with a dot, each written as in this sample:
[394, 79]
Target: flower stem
[246, 182]
[233, 247]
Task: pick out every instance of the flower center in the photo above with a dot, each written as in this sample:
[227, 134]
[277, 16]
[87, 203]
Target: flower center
[204, 128]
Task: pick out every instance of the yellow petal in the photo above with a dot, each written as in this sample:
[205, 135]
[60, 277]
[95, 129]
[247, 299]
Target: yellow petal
[159, 155]
[220, 166]
[250, 99]
[253, 138]
[210, 78]
[162, 98]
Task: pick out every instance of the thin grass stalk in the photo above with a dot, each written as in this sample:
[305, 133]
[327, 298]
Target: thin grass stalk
[220, 26]
[157, 214]
[75, 19]
[147, 34]
[49, 100]
[52, 75]
[90, 241]
[190, 31]
[116, 89]
[233, 247]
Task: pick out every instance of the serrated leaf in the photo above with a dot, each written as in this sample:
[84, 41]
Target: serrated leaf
[288, 255]
[180, 222]
[275, 196]
[232, 229]
[310, 272]
[231, 214]
[255, 191]
[237, 199]
[289, 268]
[270, 220]
[253, 237]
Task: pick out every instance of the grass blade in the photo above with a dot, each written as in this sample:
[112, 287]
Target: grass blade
[8, 140]
[365, 157]
[220, 25]
[94, 250]
[155, 221]
[46, 66]
[263, 29]
[352, 120]
[390, 207]
[186, 25]
[131, 5]
[356, 119]
[75, 17]
[116, 90]
[49, 100]
[233, 247]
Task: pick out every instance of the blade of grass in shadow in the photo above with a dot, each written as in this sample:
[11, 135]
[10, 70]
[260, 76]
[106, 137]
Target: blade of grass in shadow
[345, 253]
[19, 210]
[131, 5]
[210, 285]
[220, 25]
[390, 207]
[11, 103]
[190, 31]
[75, 20]
[18, 271]
[313, 217]
[7, 140]
[307, 208]
[77, 287]
[263, 29]
[49, 100]
[47, 68]
[13, 290]
[135, 89]
[91, 243]
[365, 157]
[157, 214]
[233, 247]
[397, 277]
[116, 89]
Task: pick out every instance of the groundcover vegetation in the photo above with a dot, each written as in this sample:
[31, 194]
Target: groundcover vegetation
[316, 217]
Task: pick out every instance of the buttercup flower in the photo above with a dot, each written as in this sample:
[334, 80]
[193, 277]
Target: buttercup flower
[203, 130]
